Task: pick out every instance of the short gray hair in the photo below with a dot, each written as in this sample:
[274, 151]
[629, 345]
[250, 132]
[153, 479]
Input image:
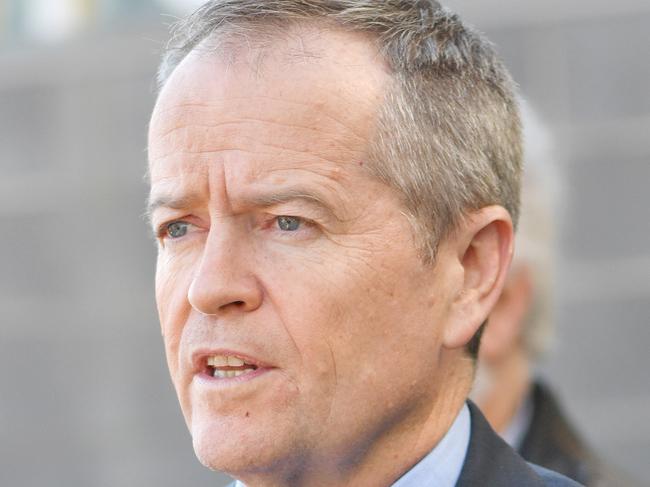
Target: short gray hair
[448, 134]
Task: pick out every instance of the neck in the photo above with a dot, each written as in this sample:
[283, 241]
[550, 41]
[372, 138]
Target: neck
[387, 454]
[509, 384]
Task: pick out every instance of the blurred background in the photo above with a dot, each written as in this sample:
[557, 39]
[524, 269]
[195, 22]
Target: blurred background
[86, 400]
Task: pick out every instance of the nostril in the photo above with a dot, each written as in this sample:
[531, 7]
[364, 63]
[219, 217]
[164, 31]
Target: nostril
[238, 303]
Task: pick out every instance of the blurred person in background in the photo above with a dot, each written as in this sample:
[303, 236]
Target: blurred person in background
[519, 405]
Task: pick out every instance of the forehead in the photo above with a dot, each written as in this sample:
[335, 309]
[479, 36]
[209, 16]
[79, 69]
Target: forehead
[308, 99]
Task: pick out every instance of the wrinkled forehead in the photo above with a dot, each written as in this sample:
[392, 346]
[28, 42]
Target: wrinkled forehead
[312, 77]
[276, 119]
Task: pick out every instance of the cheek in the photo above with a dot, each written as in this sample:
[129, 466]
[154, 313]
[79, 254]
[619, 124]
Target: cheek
[344, 312]
[392, 311]
[357, 331]
[310, 309]
[173, 279]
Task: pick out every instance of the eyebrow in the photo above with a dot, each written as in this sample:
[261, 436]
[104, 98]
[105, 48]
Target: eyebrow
[169, 201]
[263, 200]
[284, 196]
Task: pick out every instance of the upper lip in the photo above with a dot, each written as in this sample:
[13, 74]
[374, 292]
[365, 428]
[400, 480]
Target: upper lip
[200, 358]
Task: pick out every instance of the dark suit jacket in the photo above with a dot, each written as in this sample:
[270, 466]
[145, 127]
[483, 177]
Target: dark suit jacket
[553, 443]
[490, 462]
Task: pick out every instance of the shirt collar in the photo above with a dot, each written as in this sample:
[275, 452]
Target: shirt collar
[442, 466]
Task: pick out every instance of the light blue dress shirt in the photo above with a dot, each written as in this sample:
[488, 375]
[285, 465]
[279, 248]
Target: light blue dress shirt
[442, 465]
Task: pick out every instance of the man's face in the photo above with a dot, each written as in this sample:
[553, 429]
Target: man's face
[279, 249]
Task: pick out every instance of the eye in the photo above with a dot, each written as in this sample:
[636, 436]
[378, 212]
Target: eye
[289, 223]
[175, 229]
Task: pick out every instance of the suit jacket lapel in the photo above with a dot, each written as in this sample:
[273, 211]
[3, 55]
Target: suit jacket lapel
[490, 461]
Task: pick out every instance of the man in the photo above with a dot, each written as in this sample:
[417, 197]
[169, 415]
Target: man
[522, 408]
[334, 186]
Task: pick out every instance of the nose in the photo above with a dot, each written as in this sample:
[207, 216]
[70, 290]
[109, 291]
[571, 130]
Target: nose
[225, 280]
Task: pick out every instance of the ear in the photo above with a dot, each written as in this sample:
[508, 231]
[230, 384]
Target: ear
[507, 319]
[483, 247]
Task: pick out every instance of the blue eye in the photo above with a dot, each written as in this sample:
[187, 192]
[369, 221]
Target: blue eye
[176, 229]
[288, 223]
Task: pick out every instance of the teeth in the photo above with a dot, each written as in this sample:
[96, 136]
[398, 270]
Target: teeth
[222, 363]
[235, 362]
[223, 374]
[217, 361]
[223, 360]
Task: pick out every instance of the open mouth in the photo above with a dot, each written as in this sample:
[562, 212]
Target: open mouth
[226, 366]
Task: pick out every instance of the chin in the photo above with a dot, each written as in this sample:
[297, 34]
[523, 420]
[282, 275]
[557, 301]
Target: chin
[240, 448]
[220, 444]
